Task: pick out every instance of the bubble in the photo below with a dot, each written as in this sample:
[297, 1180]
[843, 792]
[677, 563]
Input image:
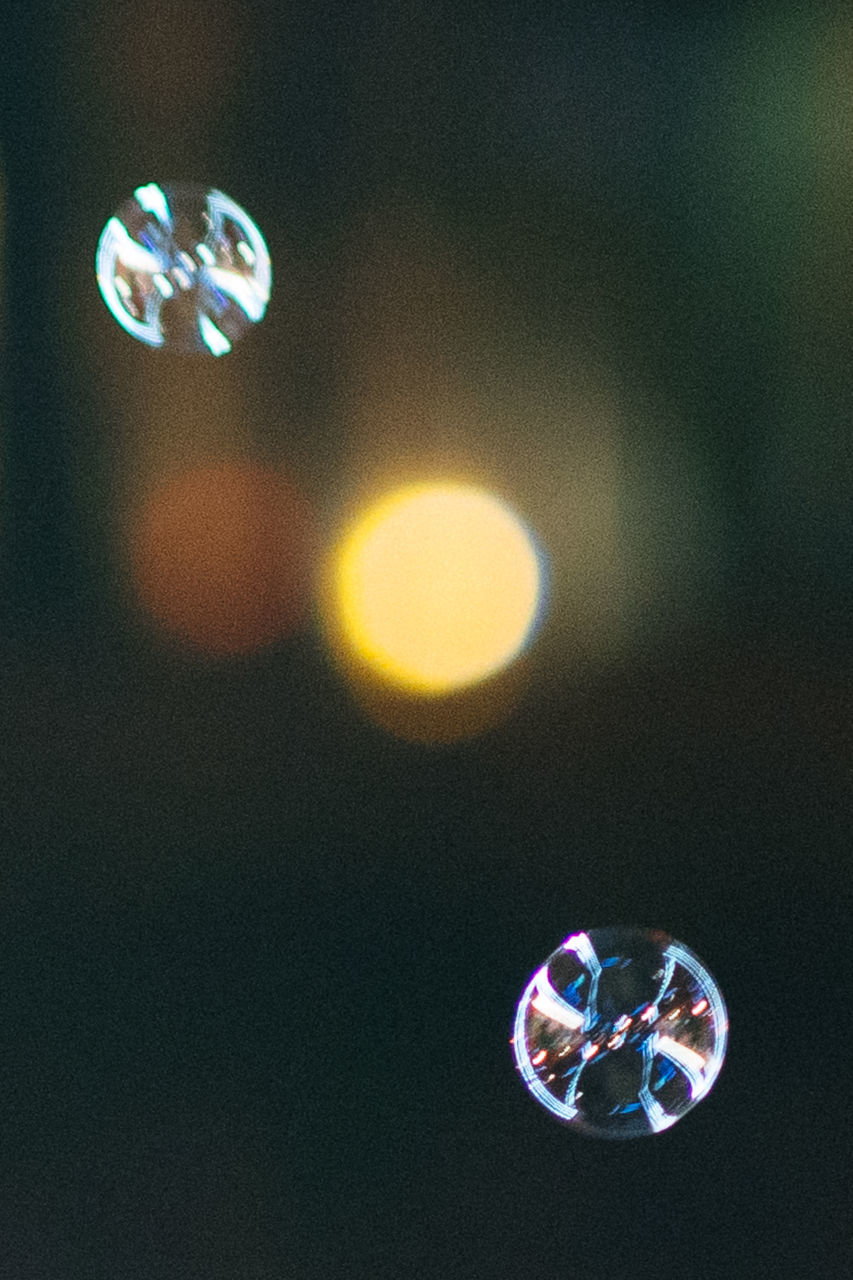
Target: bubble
[620, 1032]
[183, 267]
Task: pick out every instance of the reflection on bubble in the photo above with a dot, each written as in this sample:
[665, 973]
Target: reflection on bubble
[183, 267]
[621, 1032]
[220, 557]
[436, 588]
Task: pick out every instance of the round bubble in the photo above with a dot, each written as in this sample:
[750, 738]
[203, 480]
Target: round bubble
[620, 1032]
[183, 267]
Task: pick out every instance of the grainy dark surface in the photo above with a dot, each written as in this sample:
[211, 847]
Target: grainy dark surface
[260, 959]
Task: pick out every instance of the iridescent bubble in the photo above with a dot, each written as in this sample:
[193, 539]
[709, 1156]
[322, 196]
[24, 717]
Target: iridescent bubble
[620, 1032]
[183, 267]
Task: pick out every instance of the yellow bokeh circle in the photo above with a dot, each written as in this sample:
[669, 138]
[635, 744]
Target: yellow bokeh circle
[437, 587]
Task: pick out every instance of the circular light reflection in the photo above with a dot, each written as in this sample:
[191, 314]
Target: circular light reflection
[220, 557]
[437, 587]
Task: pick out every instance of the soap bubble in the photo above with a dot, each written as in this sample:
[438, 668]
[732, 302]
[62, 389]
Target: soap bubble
[183, 267]
[620, 1032]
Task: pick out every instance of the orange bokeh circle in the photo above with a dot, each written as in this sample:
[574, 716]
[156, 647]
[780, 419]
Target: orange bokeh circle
[221, 556]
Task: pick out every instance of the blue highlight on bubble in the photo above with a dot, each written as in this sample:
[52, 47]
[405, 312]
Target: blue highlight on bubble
[184, 268]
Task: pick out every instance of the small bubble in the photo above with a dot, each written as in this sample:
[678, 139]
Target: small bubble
[183, 267]
[640, 1069]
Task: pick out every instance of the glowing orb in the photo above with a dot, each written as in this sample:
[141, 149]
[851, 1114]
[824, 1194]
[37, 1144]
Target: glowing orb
[620, 1032]
[183, 267]
[220, 557]
[437, 587]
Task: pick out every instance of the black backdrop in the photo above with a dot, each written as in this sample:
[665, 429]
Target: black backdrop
[260, 959]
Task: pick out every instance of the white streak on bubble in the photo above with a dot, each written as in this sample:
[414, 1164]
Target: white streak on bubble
[214, 339]
[240, 289]
[152, 199]
[221, 206]
[689, 1061]
[115, 246]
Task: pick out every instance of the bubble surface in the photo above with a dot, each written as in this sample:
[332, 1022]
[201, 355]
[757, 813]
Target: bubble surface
[183, 267]
[621, 1032]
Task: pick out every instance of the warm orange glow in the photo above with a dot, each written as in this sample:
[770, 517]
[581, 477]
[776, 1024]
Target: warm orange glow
[220, 557]
[436, 587]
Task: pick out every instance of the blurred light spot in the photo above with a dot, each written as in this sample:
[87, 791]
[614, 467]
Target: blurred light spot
[436, 588]
[220, 556]
[436, 719]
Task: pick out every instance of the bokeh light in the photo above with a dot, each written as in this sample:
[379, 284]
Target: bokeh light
[221, 556]
[436, 587]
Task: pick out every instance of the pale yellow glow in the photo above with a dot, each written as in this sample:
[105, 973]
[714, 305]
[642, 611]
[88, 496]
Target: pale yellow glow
[437, 587]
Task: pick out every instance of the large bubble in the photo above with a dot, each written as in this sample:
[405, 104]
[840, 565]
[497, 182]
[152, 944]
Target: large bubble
[620, 1032]
[184, 267]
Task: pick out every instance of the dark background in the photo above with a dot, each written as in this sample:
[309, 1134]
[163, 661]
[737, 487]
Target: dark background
[260, 958]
